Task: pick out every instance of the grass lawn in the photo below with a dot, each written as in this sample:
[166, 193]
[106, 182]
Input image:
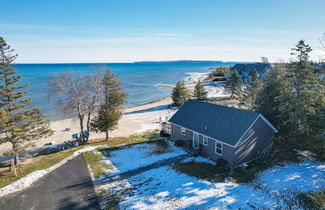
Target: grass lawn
[206, 171]
[314, 200]
[108, 200]
[46, 161]
[93, 160]
[202, 170]
[40, 163]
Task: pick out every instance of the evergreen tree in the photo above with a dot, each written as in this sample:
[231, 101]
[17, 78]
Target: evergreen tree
[3, 121]
[110, 111]
[251, 90]
[234, 85]
[23, 124]
[199, 92]
[303, 103]
[267, 103]
[292, 98]
[180, 94]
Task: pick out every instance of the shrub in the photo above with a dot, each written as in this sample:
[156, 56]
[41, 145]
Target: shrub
[222, 162]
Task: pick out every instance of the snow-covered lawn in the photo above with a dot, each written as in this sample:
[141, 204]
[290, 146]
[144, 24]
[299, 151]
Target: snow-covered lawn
[164, 188]
[139, 155]
[303, 177]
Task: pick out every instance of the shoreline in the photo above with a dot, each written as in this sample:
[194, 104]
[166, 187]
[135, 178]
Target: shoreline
[136, 119]
[191, 79]
[147, 103]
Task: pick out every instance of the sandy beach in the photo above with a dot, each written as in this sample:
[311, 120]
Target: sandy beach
[136, 119]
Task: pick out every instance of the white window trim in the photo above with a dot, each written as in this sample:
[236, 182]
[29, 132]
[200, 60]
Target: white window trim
[215, 148]
[183, 129]
[204, 137]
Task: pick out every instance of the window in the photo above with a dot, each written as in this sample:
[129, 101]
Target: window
[218, 147]
[183, 131]
[205, 140]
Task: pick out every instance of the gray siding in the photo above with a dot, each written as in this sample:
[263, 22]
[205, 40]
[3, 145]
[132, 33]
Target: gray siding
[256, 140]
[207, 150]
[176, 133]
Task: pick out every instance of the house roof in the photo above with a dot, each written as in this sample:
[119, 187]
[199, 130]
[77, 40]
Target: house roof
[225, 124]
[261, 68]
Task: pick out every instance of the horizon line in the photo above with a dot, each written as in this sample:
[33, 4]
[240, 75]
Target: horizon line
[140, 61]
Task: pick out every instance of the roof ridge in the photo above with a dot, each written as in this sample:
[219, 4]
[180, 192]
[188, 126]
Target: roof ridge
[227, 107]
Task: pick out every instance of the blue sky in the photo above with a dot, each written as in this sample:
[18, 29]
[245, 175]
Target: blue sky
[47, 31]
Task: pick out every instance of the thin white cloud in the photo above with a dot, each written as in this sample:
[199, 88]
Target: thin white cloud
[172, 35]
[85, 44]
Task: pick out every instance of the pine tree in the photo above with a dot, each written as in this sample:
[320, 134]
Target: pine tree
[3, 121]
[251, 90]
[110, 111]
[234, 85]
[303, 102]
[267, 99]
[180, 94]
[24, 125]
[199, 92]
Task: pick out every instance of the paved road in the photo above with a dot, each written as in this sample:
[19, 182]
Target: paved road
[67, 187]
[127, 174]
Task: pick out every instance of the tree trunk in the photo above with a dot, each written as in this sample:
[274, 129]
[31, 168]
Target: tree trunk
[13, 167]
[81, 128]
[106, 135]
[88, 125]
[16, 159]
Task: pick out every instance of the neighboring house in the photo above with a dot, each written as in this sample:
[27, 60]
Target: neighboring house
[246, 70]
[215, 131]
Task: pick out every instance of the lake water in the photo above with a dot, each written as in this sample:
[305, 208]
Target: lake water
[140, 80]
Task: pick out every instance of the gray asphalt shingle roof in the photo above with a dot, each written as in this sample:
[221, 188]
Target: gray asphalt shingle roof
[261, 68]
[219, 122]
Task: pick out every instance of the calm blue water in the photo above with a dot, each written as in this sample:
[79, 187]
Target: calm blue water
[140, 80]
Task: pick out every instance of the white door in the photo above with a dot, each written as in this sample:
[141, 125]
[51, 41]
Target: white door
[195, 142]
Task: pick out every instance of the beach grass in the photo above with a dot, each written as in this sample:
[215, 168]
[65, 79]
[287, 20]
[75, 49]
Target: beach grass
[46, 161]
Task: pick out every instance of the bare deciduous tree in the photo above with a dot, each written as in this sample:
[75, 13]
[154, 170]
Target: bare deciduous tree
[265, 60]
[77, 96]
[322, 41]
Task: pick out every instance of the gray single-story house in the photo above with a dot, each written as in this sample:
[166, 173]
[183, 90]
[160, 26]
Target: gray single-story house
[215, 131]
[245, 70]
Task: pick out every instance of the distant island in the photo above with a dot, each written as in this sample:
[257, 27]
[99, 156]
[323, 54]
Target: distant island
[182, 61]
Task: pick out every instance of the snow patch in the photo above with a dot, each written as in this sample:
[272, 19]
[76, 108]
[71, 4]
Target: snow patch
[86, 149]
[165, 188]
[195, 76]
[22, 183]
[306, 154]
[139, 155]
[199, 159]
[148, 127]
[175, 190]
[303, 177]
